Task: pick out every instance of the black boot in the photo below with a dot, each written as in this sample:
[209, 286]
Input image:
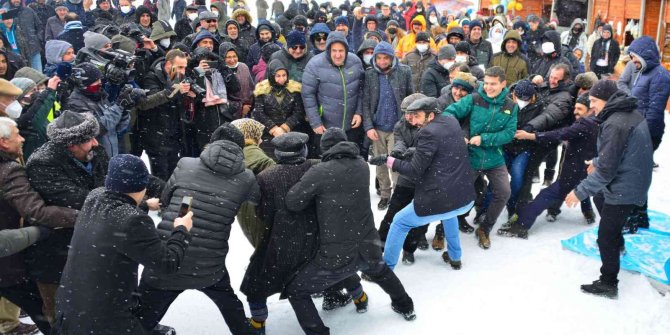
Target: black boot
[464, 227]
[456, 265]
[590, 217]
[602, 289]
[422, 244]
[514, 230]
[406, 312]
[336, 299]
[407, 258]
[383, 204]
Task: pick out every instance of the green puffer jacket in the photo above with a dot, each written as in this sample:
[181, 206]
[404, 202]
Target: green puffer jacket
[492, 119]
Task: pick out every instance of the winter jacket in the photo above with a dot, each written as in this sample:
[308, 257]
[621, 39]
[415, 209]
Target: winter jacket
[582, 137]
[525, 115]
[241, 45]
[357, 32]
[296, 67]
[557, 111]
[482, 50]
[14, 63]
[494, 119]
[111, 239]
[408, 43]
[599, 51]
[331, 94]
[247, 31]
[277, 9]
[543, 65]
[625, 156]
[628, 77]
[434, 79]
[33, 122]
[62, 181]
[254, 54]
[219, 184]
[244, 95]
[28, 32]
[405, 137]
[365, 45]
[54, 26]
[569, 39]
[183, 28]
[341, 180]
[652, 86]
[516, 65]
[445, 99]
[112, 118]
[439, 168]
[19, 200]
[418, 63]
[400, 79]
[123, 18]
[534, 41]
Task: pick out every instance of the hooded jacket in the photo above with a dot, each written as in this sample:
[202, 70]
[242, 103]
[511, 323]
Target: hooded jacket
[652, 86]
[241, 45]
[516, 65]
[543, 65]
[331, 94]
[367, 44]
[399, 77]
[319, 28]
[183, 27]
[55, 51]
[408, 43]
[494, 119]
[254, 54]
[569, 39]
[434, 79]
[203, 34]
[219, 183]
[141, 10]
[625, 156]
[247, 31]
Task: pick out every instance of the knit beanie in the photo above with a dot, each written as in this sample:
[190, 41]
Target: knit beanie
[30, 73]
[475, 23]
[331, 137]
[228, 132]
[295, 38]
[584, 100]
[72, 128]
[603, 89]
[267, 50]
[24, 84]
[126, 174]
[392, 23]
[291, 147]
[446, 52]
[524, 90]
[250, 128]
[341, 20]
[422, 37]
[409, 99]
[91, 73]
[466, 81]
[586, 80]
[95, 41]
[300, 20]
[463, 46]
[124, 43]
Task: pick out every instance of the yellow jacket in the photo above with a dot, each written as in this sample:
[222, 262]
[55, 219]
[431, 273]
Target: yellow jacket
[408, 43]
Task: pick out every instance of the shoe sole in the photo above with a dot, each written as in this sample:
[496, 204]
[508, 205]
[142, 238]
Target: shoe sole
[613, 297]
[411, 317]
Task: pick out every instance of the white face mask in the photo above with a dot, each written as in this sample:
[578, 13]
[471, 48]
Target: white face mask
[13, 110]
[165, 43]
[522, 104]
[433, 20]
[234, 66]
[125, 9]
[215, 11]
[422, 47]
[192, 16]
[547, 48]
[448, 65]
[367, 59]
[462, 59]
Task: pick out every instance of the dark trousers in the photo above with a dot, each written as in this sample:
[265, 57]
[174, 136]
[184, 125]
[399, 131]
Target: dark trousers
[656, 142]
[500, 189]
[545, 199]
[190, 146]
[401, 197]
[550, 164]
[313, 279]
[27, 296]
[163, 161]
[154, 303]
[356, 135]
[610, 237]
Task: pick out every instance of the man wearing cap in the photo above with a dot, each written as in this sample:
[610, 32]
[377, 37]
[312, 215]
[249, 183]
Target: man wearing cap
[112, 238]
[342, 25]
[208, 22]
[419, 58]
[29, 38]
[605, 52]
[9, 106]
[55, 24]
[463, 84]
[464, 56]
[516, 65]
[619, 177]
[265, 33]
[481, 48]
[436, 76]
[294, 56]
[443, 180]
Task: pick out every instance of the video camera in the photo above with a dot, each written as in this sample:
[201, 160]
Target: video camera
[118, 65]
[70, 77]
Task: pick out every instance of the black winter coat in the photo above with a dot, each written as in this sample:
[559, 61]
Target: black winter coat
[405, 137]
[29, 31]
[434, 79]
[440, 168]
[62, 181]
[339, 188]
[599, 51]
[400, 79]
[219, 184]
[524, 116]
[183, 28]
[271, 112]
[112, 238]
[75, 37]
[290, 238]
[557, 110]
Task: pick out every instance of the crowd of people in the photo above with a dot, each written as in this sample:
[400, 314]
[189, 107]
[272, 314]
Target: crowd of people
[276, 126]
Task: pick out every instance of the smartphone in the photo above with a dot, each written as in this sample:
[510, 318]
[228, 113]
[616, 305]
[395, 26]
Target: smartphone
[212, 64]
[185, 206]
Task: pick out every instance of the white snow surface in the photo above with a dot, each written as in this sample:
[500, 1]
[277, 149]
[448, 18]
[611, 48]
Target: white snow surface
[516, 287]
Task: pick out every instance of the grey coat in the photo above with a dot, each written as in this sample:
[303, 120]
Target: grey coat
[400, 78]
[30, 32]
[418, 63]
[54, 27]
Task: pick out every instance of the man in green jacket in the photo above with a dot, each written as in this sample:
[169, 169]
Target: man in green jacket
[511, 59]
[488, 118]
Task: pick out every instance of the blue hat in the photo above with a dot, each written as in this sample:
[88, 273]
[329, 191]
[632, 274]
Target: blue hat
[341, 20]
[475, 23]
[126, 174]
[294, 38]
[524, 90]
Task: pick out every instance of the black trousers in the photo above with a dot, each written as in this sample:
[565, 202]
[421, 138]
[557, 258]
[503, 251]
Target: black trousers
[154, 303]
[313, 279]
[164, 161]
[27, 296]
[550, 164]
[610, 237]
[401, 197]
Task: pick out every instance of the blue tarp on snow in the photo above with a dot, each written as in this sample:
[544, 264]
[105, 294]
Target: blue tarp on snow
[647, 252]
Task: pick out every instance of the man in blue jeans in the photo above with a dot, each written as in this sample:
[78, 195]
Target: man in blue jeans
[443, 177]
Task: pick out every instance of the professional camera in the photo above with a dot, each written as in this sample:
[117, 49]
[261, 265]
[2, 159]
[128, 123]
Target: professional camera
[118, 65]
[197, 89]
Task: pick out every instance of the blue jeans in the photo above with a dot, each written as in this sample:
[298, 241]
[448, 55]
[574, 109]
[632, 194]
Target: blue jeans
[36, 62]
[516, 165]
[407, 219]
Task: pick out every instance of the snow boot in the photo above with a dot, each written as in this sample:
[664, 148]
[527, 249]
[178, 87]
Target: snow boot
[602, 289]
[480, 217]
[456, 265]
[407, 313]
[362, 303]
[464, 227]
[514, 230]
[407, 258]
[550, 217]
[23, 329]
[257, 327]
[422, 243]
[333, 300]
[590, 217]
[383, 204]
[163, 330]
[365, 277]
[483, 238]
[512, 219]
[438, 239]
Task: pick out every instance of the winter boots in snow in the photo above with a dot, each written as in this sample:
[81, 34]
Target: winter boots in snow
[463, 225]
[333, 300]
[383, 204]
[514, 230]
[362, 303]
[551, 217]
[438, 239]
[590, 216]
[257, 327]
[483, 238]
[456, 265]
[422, 243]
[602, 289]
[407, 313]
[407, 258]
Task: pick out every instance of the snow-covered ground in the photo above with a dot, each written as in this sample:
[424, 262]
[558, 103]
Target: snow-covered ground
[516, 287]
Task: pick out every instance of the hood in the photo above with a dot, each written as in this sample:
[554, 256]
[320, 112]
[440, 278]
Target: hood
[233, 22]
[201, 36]
[384, 48]
[511, 35]
[272, 68]
[456, 31]
[577, 21]
[225, 47]
[553, 37]
[244, 12]
[420, 19]
[269, 26]
[498, 101]
[160, 30]
[619, 102]
[500, 19]
[55, 49]
[223, 157]
[334, 37]
[646, 50]
[141, 10]
[221, 6]
[319, 28]
[341, 150]
[366, 44]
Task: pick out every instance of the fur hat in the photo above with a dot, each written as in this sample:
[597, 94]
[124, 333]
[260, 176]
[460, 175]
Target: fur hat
[465, 80]
[586, 80]
[72, 128]
[603, 89]
[267, 50]
[331, 137]
[126, 174]
[250, 128]
[228, 132]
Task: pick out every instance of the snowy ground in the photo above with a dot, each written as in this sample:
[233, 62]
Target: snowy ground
[518, 286]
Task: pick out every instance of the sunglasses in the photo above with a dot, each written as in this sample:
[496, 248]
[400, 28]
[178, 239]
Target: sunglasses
[296, 47]
[320, 38]
[210, 21]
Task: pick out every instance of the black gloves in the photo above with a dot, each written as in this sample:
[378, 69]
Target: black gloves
[130, 96]
[378, 160]
[44, 233]
[407, 154]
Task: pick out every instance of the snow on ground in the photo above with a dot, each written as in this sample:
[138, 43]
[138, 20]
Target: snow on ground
[518, 286]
